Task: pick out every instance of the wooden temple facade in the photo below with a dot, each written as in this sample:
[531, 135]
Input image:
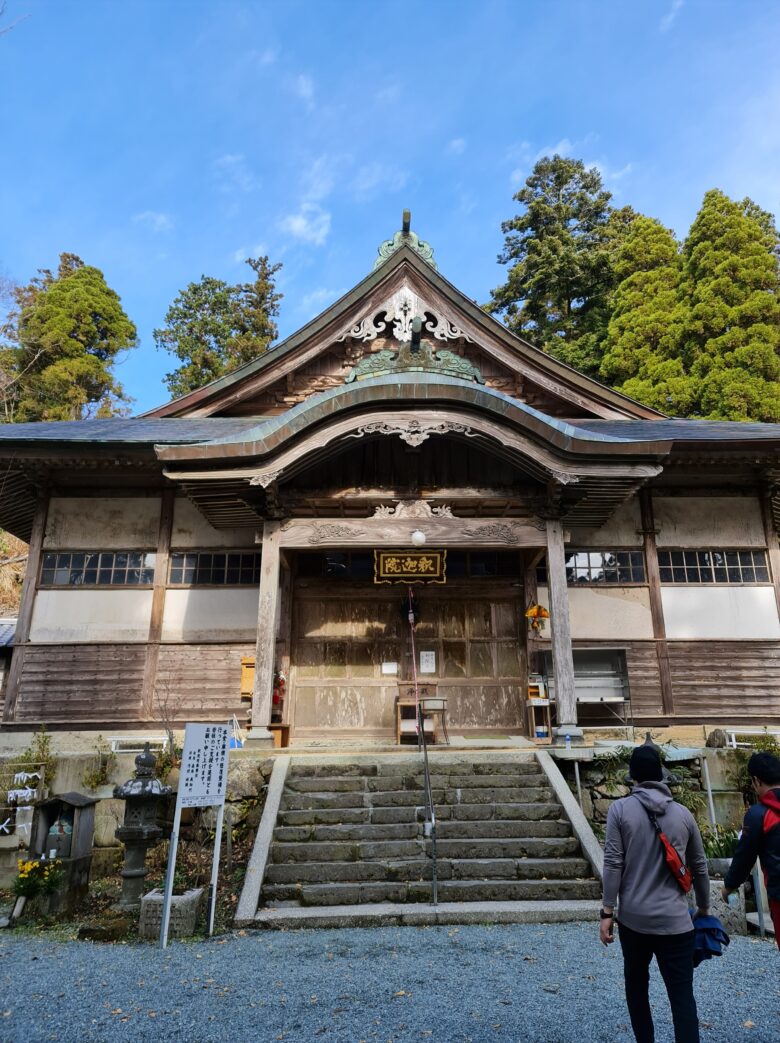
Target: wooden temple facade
[244, 520]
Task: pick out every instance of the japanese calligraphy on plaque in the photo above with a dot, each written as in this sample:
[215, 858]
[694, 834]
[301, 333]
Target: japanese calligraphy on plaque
[203, 779]
[403, 566]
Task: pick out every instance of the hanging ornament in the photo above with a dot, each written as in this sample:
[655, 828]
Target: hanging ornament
[536, 616]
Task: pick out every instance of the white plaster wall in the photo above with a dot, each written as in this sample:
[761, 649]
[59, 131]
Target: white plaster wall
[91, 615]
[198, 614]
[720, 612]
[621, 530]
[114, 523]
[708, 521]
[191, 530]
[607, 613]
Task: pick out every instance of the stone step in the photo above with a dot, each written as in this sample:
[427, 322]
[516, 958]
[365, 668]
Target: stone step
[335, 769]
[391, 783]
[293, 874]
[494, 829]
[517, 847]
[349, 831]
[350, 784]
[351, 851]
[411, 765]
[411, 914]
[532, 810]
[382, 850]
[420, 891]
[451, 829]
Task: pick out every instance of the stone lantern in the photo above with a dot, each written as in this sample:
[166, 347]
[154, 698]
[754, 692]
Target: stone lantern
[142, 795]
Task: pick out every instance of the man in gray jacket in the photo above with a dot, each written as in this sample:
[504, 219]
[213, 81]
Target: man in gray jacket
[652, 909]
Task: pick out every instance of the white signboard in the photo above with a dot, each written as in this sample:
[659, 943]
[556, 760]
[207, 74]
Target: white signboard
[389, 668]
[202, 784]
[203, 778]
[427, 662]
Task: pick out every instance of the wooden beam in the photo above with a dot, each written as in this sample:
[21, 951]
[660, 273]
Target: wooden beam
[560, 630]
[772, 545]
[656, 600]
[24, 619]
[158, 603]
[267, 626]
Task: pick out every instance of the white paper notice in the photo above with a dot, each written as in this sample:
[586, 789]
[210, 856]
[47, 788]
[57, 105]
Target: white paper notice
[427, 662]
[203, 779]
[389, 668]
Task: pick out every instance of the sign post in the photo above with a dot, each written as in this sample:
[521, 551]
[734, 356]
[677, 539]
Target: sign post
[202, 784]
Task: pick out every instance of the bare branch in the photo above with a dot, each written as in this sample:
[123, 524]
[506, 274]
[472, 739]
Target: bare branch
[7, 28]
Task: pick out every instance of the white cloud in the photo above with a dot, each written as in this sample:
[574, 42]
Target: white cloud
[668, 19]
[154, 219]
[607, 172]
[311, 224]
[388, 94]
[526, 155]
[318, 180]
[241, 254]
[373, 178]
[313, 302]
[267, 56]
[303, 86]
[234, 173]
[457, 146]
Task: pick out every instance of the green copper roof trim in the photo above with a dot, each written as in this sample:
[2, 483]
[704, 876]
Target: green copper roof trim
[408, 360]
[406, 237]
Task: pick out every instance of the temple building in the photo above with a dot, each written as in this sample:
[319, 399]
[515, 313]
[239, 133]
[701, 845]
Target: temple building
[403, 440]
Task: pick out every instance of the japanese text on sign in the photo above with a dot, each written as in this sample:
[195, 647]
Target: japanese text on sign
[410, 566]
[203, 779]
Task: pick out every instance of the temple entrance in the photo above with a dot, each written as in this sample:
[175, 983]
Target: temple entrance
[350, 646]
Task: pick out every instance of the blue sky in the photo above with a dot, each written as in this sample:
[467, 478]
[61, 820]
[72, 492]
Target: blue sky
[166, 139]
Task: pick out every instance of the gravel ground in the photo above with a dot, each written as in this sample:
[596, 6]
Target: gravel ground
[551, 984]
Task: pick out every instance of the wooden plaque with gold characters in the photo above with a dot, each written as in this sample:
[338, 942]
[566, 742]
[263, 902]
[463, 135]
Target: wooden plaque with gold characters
[410, 566]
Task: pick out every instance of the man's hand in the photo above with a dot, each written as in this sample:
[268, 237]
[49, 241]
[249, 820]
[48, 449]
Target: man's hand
[606, 931]
[724, 893]
[701, 912]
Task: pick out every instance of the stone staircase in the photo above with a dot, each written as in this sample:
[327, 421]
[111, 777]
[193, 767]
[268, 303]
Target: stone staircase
[352, 834]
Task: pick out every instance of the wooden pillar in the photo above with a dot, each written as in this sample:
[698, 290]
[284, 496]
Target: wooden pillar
[656, 602]
[560, 632]
[772, 545]
[267, 625]
[162, 557]
[26, 604]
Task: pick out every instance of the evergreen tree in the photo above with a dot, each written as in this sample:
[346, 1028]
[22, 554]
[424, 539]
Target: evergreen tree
[641, 350]
[731, 340]
[214, 327]
[558, 250]
[63, 338]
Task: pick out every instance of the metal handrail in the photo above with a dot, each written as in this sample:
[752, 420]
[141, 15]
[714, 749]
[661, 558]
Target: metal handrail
[429, 826]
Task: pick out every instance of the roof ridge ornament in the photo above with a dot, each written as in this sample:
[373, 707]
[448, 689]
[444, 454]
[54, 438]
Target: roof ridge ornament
[406, 237]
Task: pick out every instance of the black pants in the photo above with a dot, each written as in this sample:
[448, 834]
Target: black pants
[674, 953]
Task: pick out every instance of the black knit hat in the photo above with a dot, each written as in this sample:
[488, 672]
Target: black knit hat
[645, 765]
[765, 767]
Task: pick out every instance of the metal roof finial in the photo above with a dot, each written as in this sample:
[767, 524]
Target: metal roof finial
[406, 237]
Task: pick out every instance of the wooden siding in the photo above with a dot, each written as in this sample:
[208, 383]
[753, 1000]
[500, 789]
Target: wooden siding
[81, 683]
[201, 682]
[644, 681]
[725, 679]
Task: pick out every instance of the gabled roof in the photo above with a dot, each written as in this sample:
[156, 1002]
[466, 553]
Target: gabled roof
[405, 264]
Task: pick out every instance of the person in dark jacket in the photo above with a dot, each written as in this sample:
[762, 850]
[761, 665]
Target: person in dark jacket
[760, 835]
[652, 910]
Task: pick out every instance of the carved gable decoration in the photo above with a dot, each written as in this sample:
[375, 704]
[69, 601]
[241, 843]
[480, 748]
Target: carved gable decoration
[394, 317]
[413, 509]
[425, 359]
